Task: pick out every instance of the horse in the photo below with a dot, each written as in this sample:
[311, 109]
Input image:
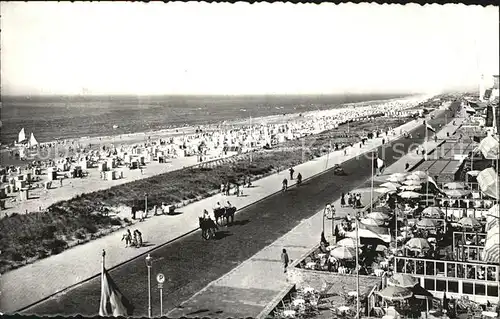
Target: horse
[208, 228]
[226, 213]
[219, 214]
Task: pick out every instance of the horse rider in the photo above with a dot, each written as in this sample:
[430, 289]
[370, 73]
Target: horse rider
[206, 215]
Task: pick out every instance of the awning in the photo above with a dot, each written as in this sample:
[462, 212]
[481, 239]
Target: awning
[489, 147]
[488, 182]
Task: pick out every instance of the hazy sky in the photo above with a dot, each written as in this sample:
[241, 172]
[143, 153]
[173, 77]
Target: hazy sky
[156, 48]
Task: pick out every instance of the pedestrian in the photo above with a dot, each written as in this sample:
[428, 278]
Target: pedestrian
[139, 238]
[238, 189]
[285, 184]
[61, 181]
[141, 170]
[228, 187]
[284, 259]
[342, 200]
[133, 211]
[222, 188]
[127, 237]
[291, 170]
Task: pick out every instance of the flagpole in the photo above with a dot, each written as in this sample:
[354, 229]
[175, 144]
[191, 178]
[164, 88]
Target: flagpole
[371, 189]
[103, 260]
[357, 268]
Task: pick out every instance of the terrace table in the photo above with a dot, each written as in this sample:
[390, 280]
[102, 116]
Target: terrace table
[379, 272]
[311, 265]
[489, 314]
[298, 302]
[384, 264]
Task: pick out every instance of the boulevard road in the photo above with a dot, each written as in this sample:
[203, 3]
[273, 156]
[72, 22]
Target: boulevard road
[191, 263]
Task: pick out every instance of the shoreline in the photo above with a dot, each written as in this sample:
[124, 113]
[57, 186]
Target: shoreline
[179, 130]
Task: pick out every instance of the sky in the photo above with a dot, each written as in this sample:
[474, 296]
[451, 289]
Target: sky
[199, 48]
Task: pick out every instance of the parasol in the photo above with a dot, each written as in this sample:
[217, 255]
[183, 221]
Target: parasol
[420, 174]
[395, 179]
[377, 216]
[409, 194]
[492, 218]
[488, 182]
[426, 224]
[457, 192]
[413, 178]
[395, 293]
[371, 222]
[342, 252]
[469, 222]
[417, 244]
[432, 212]
[384, 190]
[390, 185]
[402, 280]
[412, 182]
[454, 185]
[411, 187]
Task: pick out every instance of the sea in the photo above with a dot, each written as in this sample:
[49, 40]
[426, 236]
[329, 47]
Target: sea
[53, 118]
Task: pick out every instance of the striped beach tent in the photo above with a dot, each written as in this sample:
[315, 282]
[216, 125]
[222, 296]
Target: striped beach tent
[492, 217]
[491, 251]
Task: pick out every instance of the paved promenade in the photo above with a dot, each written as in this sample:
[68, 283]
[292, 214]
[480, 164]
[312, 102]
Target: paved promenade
[73, 266]
[251, 286]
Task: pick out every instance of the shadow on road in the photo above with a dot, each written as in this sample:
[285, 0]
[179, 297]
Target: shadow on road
[222, 234]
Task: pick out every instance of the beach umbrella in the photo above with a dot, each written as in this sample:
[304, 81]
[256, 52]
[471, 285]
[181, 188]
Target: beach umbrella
[395, 293]
[469, 222]
[377, 216]
[348, 242]
[417, 244]
[420, 174]
[342, 252]
[395, 179]
[409, 194]
[454, 185]
[413, 178]
[384, 190]
[390, 185]
[399, 175]
[426, 224]
[412, 182]
[432, 212]
[402, 280]
[371, 222]
[411, 187]
[457, 192]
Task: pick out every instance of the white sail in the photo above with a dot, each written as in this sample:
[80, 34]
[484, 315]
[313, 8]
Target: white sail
[22, 136]
[33, 141]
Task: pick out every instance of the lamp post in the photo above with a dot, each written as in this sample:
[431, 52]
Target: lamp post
[149, 264]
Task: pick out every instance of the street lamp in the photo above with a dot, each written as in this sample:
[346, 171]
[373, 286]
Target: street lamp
[149, 264]
[357, 266]
[146, 203]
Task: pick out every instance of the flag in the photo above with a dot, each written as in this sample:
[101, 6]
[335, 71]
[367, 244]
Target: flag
[433, 182]
[379, 164]
[429, 127]
[113, 303]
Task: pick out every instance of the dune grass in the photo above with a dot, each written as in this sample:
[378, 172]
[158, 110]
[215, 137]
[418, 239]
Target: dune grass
[25, 238]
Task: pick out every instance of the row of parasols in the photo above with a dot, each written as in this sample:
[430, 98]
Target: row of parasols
[407, 185]
[403, 286]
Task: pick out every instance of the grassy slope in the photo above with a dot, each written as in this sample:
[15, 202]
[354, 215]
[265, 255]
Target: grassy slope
[24, 238]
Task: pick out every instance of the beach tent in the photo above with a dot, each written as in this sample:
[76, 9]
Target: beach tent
[489, 147]
[488, 182]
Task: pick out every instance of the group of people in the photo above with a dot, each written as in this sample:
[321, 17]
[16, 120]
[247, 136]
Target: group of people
[133, 241]
[226, 188]
[285, 181]
[353, 200]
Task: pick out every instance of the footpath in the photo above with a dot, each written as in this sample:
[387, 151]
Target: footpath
[248, 289]
[25, 286]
